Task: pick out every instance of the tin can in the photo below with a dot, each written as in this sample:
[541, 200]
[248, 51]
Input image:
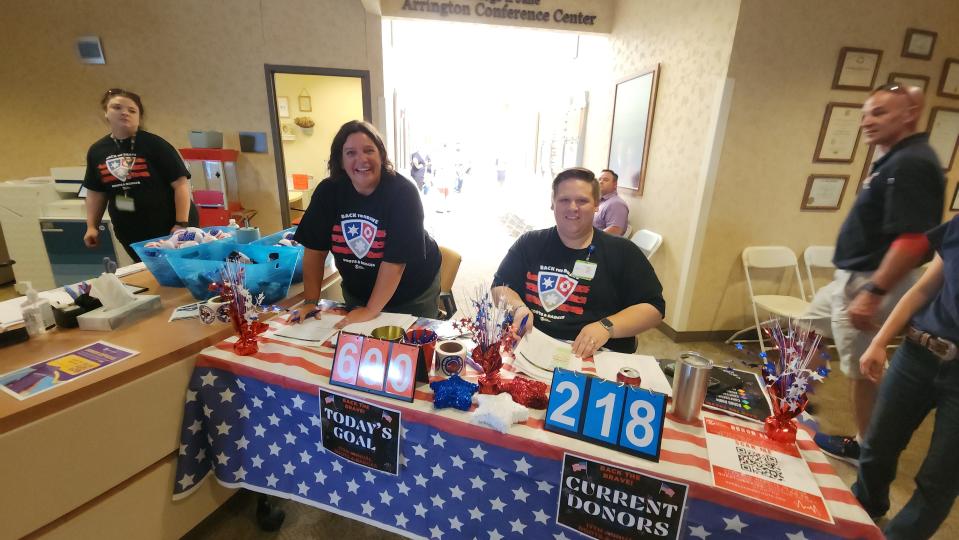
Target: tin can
[628, 376]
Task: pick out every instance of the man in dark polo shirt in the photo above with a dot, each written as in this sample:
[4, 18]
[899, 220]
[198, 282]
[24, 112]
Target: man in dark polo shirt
[880, 245]
[923, 374]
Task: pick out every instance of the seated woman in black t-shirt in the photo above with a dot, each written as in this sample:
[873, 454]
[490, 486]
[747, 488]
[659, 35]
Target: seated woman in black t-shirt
[137, 175]
[371, 219]
[575, 281]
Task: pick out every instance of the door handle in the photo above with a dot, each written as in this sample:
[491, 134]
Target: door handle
[49, 227]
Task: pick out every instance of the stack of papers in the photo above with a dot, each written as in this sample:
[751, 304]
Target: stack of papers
[319, 331]
[537, 354]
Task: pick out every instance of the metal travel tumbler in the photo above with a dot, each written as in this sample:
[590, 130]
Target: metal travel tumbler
[690, 379]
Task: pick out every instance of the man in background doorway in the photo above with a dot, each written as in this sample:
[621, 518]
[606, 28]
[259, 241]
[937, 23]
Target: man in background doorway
[613, 214]
[418, 168]
[880, 245]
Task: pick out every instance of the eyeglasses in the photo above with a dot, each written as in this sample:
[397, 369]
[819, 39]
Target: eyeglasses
[895, 88]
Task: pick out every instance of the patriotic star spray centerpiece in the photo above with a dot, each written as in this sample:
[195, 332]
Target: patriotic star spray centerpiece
[489, 325]
[788, 378]
[238, 306]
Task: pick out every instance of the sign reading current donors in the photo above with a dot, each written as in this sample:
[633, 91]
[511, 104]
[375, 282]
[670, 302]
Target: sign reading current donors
[375, 366]
[748, 462]
[361, 432]
[608, 502]
[626, 418]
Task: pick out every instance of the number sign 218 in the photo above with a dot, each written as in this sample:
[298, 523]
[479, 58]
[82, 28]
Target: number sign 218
[605, 412]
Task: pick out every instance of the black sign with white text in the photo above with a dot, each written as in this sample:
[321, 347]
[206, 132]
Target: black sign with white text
[360, 432]
[612, 503]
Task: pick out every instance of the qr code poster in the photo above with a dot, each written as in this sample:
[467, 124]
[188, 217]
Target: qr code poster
[747, 462]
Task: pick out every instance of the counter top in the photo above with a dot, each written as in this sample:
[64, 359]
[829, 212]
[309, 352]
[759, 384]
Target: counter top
[160, 343]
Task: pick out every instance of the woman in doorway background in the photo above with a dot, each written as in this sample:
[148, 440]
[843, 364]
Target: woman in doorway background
[371, 218]
[137, 175]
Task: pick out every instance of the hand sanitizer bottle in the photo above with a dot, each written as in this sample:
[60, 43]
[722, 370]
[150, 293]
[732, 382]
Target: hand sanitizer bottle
[32, 314]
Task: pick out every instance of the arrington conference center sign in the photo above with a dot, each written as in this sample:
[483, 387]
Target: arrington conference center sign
[575, 15]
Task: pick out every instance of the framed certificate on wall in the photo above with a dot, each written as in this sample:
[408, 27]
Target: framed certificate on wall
[856, 69]
[839, 134]
[943, 132]
[824, 191]
[919, 44]
[633, 108]
[910, 79]
[949, 82]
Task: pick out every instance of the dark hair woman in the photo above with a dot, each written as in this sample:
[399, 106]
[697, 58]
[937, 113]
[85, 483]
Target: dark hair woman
[371, 219]
[137, 175]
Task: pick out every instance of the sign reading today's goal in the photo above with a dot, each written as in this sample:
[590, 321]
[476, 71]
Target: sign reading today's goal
[360, 432]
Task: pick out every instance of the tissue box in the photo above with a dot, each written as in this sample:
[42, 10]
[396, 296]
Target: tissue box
[206, 139]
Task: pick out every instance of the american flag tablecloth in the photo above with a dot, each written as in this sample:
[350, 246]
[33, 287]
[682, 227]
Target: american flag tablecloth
[253, 422]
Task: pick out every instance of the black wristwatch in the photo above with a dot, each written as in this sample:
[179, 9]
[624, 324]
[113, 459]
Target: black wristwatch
[183, 224]
[874, 289]
[608, 325]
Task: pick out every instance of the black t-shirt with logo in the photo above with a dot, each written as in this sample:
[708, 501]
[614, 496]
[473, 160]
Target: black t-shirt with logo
[142, 168]
[903, 194]
[940, 317]
[539, 268]
[364, 230]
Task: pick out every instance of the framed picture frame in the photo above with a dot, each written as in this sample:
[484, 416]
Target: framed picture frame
[943, 129]
[856, 69]
[287, 130]
[634, 105]
[865, 167]
[955, 200]
[910, 79]
[839, 134]
[949, 81]
[919, 43]
[824, 192]
[283, 107]
[305, 103]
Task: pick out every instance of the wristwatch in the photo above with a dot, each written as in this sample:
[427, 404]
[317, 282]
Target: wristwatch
[874, 289]
[608, 325]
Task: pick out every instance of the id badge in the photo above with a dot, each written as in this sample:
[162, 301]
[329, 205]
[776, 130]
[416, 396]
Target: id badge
[584, 270]
[125, 204]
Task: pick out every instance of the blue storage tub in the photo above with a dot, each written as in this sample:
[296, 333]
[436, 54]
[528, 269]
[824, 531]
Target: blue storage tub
[156, 261]
[272, 239]
[270, 273]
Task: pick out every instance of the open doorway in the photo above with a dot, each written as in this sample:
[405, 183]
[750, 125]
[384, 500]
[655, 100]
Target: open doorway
[307, 107]
[496, 112]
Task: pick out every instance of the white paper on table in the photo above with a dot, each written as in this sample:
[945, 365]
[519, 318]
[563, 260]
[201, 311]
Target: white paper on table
[608, 364]
[311, 330]
[130, 269]
[383, 319]
[537, 354]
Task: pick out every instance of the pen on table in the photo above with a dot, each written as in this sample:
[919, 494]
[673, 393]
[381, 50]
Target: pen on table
[522, 325]
[70, 291]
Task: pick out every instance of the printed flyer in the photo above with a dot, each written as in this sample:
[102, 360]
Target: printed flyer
[747, 462]
[42, 376]
[612, 503]
[361, 432]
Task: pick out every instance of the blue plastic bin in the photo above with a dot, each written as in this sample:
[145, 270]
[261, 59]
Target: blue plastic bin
[156, 262]
[272, 239]
[270, 273]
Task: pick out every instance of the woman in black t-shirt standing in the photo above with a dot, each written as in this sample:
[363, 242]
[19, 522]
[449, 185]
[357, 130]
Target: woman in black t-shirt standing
[371, 219]
[137, 175]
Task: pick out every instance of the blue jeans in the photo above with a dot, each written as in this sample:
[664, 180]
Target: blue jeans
[917, 382]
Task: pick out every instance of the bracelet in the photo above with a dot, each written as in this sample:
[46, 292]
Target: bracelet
[874, 289]
[315, 302]
[182, 223]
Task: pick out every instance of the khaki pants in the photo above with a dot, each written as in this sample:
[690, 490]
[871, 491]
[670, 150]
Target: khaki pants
[424, 305]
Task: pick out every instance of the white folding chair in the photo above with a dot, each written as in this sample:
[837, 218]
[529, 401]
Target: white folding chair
[648, 241]
[770, 258]
[817, 257]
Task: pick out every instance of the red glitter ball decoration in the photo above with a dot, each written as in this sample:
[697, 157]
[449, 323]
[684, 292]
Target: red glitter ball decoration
[529, 393]
[490, 360]
[491, 384]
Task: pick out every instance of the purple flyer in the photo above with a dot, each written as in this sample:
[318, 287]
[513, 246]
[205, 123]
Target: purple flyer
[42, 376]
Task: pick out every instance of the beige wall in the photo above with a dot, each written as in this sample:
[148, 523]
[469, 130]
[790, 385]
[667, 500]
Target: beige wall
[692, 40]
[783, 62]
[197, 65]
[335, 101]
